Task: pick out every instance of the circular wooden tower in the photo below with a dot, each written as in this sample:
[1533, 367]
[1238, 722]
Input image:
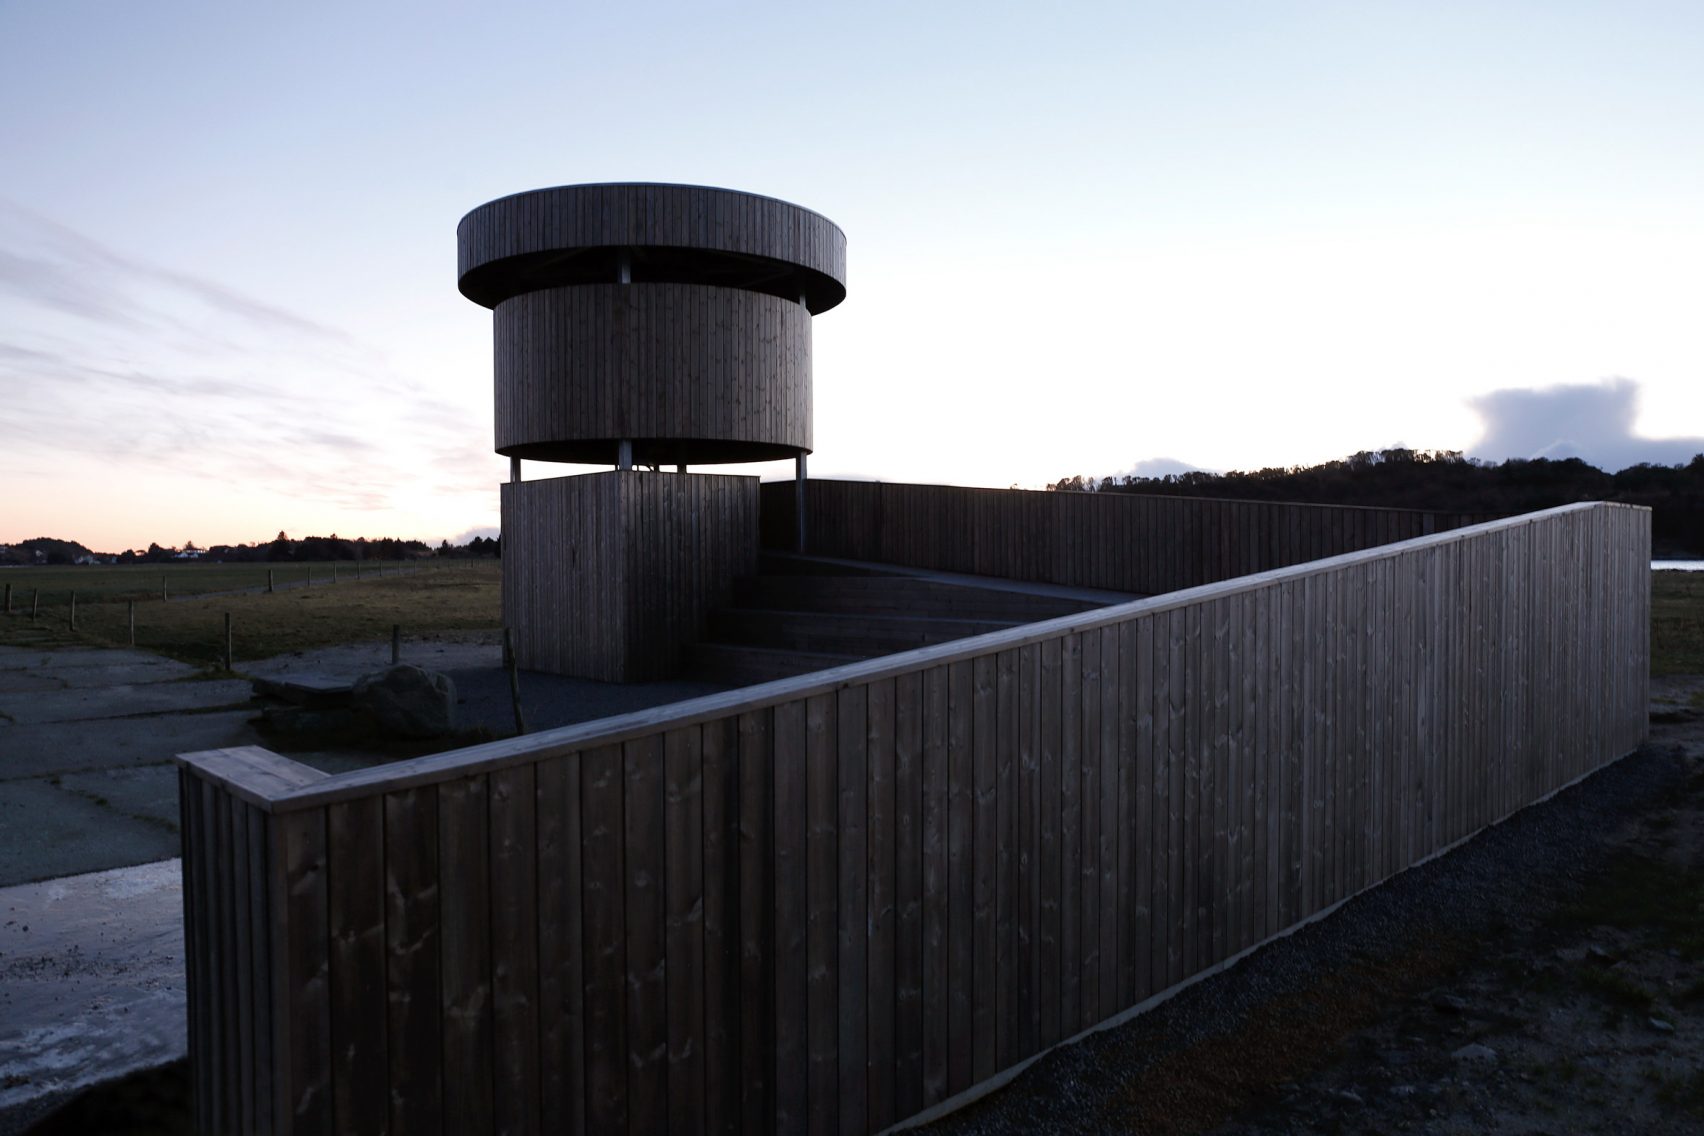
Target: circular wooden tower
[641, 325]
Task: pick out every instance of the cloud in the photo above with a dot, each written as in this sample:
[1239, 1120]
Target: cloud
[146, 369]
[1590, 421]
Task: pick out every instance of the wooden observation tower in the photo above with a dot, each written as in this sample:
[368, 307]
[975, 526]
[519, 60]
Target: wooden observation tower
[648, 328]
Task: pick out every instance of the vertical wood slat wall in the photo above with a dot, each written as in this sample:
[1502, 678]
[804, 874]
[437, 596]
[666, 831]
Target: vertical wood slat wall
[1119, 541]
[714, 369]
[607, 575]
[832, 902]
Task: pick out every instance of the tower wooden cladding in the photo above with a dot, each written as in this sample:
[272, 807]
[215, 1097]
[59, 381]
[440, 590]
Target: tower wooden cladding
[641, 325]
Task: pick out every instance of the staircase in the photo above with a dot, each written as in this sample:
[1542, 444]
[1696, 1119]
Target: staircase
[803, 614]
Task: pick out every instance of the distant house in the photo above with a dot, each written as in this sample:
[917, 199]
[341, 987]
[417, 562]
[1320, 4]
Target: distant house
[187, 554]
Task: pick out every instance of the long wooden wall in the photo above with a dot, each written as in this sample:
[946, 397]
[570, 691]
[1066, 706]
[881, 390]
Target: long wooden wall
[828, 903]
[1120, 541]
[608, 575]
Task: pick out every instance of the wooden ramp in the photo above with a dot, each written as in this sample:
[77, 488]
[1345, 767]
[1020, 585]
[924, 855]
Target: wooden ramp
[807, 613]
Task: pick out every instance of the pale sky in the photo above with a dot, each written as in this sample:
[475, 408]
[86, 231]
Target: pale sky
[1082, 238]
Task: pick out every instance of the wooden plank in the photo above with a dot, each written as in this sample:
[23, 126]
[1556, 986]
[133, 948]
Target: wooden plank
[198, 957]
[1026, 970]
[1137, 653]
[561, 1024]
[514, 888]
[881, 914]
[259, 916]
[216, 1003]
[464, 844]
[1070, 834]
[1111, 836]
[822, 873]
[797, 787]
[1090, 768]
[1129, 858]
[908, 894]
[1159, 938]
[1005, 864]
[684, 895]
[355, 886]
[720, 753]
[299, 912]
[985, 841]
[758, 817]
[1048, 931]
[961, 786]
[604, 928]
[936, 1036]
[412, 950]
[1197, 720]
[1221, 772]
[852, 909]
[242, 960]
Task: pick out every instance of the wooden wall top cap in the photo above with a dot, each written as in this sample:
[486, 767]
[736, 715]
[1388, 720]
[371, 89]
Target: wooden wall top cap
[692, 234]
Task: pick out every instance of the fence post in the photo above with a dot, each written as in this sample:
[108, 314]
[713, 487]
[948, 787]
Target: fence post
[514, 681]
[310, 575]
[230, 659]
[73, 610]
[334, 571]
[269, 581]
[162, 586]
[396, 643]
[35, 603]
[8, 599]
[131, 614]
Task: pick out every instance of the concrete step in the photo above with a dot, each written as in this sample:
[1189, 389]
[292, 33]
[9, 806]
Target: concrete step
[738, 665]
[842, 632]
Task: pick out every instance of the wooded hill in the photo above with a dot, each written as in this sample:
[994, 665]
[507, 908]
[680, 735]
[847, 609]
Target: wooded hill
[1419, 479]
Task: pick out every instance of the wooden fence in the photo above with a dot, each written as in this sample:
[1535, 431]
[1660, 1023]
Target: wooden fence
[1121, 541]
[834, 902]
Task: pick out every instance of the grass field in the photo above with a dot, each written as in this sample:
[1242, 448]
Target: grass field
[101, 582]
[464, 595]
[1677, 623]
[457, 595]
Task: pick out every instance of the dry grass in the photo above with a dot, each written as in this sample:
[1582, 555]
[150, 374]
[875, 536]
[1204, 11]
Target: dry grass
[1677, 623]
[458, 596]
[106, 582]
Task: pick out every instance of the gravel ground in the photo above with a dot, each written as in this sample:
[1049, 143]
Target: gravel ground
[1542, 978]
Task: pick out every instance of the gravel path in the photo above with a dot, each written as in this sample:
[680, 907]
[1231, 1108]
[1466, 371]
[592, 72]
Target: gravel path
[1514, 985]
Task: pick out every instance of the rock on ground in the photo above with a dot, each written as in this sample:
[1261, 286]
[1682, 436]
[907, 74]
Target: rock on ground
[409, 702]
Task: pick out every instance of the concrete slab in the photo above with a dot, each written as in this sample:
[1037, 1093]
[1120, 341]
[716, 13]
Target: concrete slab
[91, 984]
[49, 830]
[316, 690]
[62, 747]
[29, 680]
[145, 792]
[90, 703]
[25, 668]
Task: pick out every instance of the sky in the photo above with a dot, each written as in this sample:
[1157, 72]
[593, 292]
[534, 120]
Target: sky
[1082, 238]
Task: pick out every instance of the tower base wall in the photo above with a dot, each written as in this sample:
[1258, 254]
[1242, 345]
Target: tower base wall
[610, 575]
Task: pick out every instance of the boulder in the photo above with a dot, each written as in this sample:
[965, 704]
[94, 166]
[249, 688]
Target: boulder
[408, 702]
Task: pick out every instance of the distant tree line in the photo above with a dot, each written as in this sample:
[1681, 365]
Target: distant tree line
[46, 550]
[281, 549]
[1445, 480]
